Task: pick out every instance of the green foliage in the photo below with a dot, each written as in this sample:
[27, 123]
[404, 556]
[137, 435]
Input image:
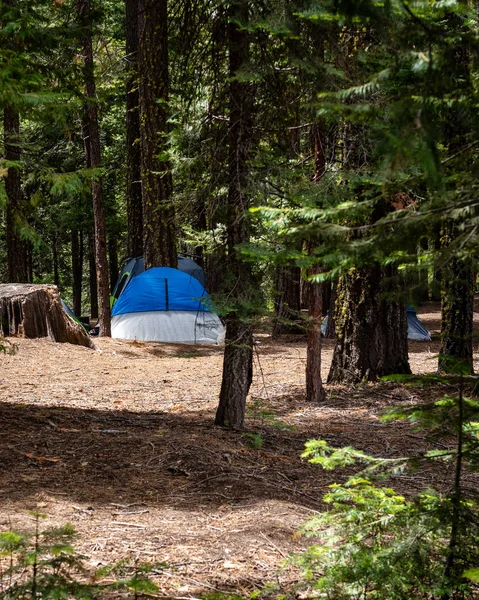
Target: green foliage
[255, 440]
[44, 564]
[373, 542]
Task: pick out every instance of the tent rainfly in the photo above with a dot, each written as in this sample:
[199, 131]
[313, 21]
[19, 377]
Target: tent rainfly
[135, 266]
[166, 305]
[415, 329]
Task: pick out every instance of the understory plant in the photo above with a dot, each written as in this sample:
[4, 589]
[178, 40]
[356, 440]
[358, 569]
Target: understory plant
[373, 543]
[45, 565]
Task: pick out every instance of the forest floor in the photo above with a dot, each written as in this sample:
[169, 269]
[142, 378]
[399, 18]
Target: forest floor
[120, 442]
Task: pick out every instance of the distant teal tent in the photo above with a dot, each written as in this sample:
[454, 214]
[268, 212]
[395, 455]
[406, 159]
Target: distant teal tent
[415, 329]
[72, 315]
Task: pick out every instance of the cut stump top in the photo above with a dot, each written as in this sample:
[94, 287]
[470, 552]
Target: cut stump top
[32, 311]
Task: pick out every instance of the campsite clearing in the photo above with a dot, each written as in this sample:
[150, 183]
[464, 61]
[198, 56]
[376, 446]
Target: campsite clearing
[121, 443]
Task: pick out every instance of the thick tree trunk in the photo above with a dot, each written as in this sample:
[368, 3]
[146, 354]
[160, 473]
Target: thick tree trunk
[238, 360]
[16, 247]
[133, 147]
[77, 270]
[371, 329]
[159, 234]
[356, 353]
[457, 318]
[393, 326]
[287, 305]
[93, 142]
[33, 311]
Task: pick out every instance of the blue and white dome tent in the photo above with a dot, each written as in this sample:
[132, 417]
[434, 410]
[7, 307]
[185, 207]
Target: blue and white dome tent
[166, 305]
[135, 266]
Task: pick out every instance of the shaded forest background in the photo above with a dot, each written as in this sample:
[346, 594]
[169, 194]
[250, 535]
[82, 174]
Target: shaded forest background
[309, 156]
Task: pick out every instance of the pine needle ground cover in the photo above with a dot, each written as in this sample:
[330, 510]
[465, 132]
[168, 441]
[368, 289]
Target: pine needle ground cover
[120, 444]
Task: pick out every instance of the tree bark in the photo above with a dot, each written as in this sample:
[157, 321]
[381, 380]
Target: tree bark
[133, 147]
[56, 271]
[159, 233]
[113, 260]
[393, 326]
[330, 332]
[93, 282]
[314, 383]
[237, 374]
[356, 352]
[16, 248]
[371, 329]
[456, 354]
[33, 311]
[77, 269]
[94, 155]
[238, 358]
[287, 301]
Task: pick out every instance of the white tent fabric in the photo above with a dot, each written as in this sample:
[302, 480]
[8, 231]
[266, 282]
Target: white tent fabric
[174, 326]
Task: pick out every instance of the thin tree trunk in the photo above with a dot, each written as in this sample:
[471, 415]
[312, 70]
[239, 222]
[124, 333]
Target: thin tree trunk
[113, 259]
[330, 332]
[16, 247]
[84, 15]
[237, 374]
[30, 263]
[456, 498]
[93, 282]
[314, 384]
[133, 147]
[238, 358]
[56, 275]
[159, 233]
[77, 270]
[287, 306]
[201, 224]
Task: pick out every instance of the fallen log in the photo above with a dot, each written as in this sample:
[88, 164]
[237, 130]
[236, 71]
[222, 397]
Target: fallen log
[34, 311]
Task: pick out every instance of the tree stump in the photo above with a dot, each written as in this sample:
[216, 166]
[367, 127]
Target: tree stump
[34, 311]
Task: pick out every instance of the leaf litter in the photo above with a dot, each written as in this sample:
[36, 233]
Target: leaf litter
[121, 444]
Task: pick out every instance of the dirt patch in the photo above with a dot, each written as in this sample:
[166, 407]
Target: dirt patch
[121, 443]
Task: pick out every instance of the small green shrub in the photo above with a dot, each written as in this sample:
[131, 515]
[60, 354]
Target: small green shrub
[44, 565]
[374, 544]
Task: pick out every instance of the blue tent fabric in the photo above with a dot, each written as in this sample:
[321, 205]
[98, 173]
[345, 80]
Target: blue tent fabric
[416, 330]
[134, 266]
[162, 288]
